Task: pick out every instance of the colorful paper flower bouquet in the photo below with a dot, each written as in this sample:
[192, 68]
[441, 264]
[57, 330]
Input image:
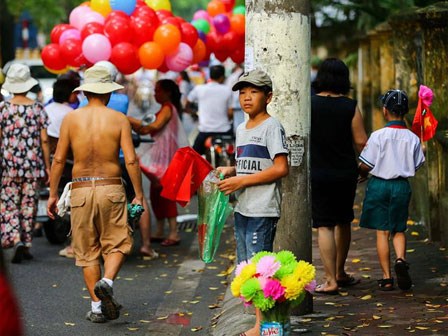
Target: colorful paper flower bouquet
[273, 283]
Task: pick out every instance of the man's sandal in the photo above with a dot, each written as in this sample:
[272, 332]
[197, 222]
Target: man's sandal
[386, 284]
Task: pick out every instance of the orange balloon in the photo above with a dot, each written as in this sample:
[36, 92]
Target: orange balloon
[216, 7]
[238, 23]
[151, 55]
[168, 37]
[199, 52]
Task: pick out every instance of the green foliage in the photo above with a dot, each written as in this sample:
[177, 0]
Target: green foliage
[186, 8]
[45, 13]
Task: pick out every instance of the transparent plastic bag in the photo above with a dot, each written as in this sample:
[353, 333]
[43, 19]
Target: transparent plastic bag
[213, 210]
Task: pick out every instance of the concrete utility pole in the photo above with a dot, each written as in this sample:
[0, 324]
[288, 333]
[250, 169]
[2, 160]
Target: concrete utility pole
[278, 42]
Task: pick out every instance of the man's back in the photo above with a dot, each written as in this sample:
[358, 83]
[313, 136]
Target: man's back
[95, 136]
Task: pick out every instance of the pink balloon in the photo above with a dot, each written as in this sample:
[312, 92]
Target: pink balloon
[91, 17]
[96, 47]
[77, 14]
[74, 34]
[181, 59]
[202, 14]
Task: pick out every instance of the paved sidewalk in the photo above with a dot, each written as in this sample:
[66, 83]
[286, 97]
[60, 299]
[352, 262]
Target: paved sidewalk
[363, 309]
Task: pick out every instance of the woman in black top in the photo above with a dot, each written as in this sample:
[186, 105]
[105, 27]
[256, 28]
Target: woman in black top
[337, 129]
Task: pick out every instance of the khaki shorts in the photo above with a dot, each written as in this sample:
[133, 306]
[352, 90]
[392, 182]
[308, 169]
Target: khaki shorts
[99, 223]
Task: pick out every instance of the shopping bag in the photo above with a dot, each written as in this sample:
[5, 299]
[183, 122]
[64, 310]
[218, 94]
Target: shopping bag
[184, 175]
[213, 210]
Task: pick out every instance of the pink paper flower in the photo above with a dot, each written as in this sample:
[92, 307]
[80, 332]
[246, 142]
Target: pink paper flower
[426, 95]
[267, 266]
[240, 267]
[311, 286]
[273, 289]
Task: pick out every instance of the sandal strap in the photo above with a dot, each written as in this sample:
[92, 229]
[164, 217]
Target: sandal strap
[385, 282]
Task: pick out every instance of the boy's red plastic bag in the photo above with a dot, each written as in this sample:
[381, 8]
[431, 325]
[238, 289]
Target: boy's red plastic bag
[184, 175]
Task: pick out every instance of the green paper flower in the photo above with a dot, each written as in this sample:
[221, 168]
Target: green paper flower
[256, 258]
[250, 289]
[263, 303]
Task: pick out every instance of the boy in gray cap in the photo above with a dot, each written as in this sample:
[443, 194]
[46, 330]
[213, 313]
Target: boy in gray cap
[391, 156]
[95, 134]
[261, 162]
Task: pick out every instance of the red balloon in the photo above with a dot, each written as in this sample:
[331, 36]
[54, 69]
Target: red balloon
[116, 14]
[70, 50]
[189, 34]
[143, 31]
[147, 14]
[230, 40]
[163, 14]
[52, 58]
[58, 30]
[228, 4]
[118, 30]
[214, 42]
[237, 55]
[125, 57]
[221, 55]
[163, 68]
[92, 28]
[171, 20]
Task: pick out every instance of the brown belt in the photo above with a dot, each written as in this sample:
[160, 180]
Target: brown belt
[93, 183]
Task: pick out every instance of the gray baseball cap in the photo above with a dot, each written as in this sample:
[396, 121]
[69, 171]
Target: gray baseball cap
[255, 77]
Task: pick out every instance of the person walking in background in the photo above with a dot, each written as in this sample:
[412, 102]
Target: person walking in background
[392, 155]
[336, 129]
[238, 114]
[100, 229]
[25, 160]
[185, 87]
[169, 135]
[261, 162]
[120, 102]
[215, 113]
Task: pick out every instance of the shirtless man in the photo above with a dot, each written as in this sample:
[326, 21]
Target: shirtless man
[94, 134]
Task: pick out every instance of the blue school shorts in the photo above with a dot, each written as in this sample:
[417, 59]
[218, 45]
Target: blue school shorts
[253, 234]
[386, 205]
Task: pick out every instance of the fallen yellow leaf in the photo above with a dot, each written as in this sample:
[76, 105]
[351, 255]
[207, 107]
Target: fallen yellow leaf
[144, 321]
[366, 297]
[196, 329]
[162, 317]
[421, 328]
[410, 222]
[168, 292]
[132, 329]
[194, 302]
[356, 261]
[376, 317]
[410, 250]
[384, 326]
[415, 233]
[69, 324]
[213, 288]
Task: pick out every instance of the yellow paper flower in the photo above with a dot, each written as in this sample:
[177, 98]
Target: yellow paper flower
[248, 272]
[235, 287]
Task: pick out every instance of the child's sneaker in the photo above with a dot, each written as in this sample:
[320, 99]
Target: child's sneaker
[404, 281]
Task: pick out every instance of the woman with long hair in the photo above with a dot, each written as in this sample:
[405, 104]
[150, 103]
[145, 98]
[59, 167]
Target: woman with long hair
[169, 135]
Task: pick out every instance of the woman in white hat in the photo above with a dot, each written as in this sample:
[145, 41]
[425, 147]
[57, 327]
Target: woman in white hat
[25, 159]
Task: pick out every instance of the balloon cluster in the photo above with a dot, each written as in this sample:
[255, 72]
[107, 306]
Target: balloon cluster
[137, 33]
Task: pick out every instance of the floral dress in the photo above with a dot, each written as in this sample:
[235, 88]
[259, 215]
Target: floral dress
[22, 165]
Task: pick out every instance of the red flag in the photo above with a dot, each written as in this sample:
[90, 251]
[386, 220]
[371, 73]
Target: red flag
[424, 124]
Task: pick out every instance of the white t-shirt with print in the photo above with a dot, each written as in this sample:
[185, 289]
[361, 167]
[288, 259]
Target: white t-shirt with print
[256, 149]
